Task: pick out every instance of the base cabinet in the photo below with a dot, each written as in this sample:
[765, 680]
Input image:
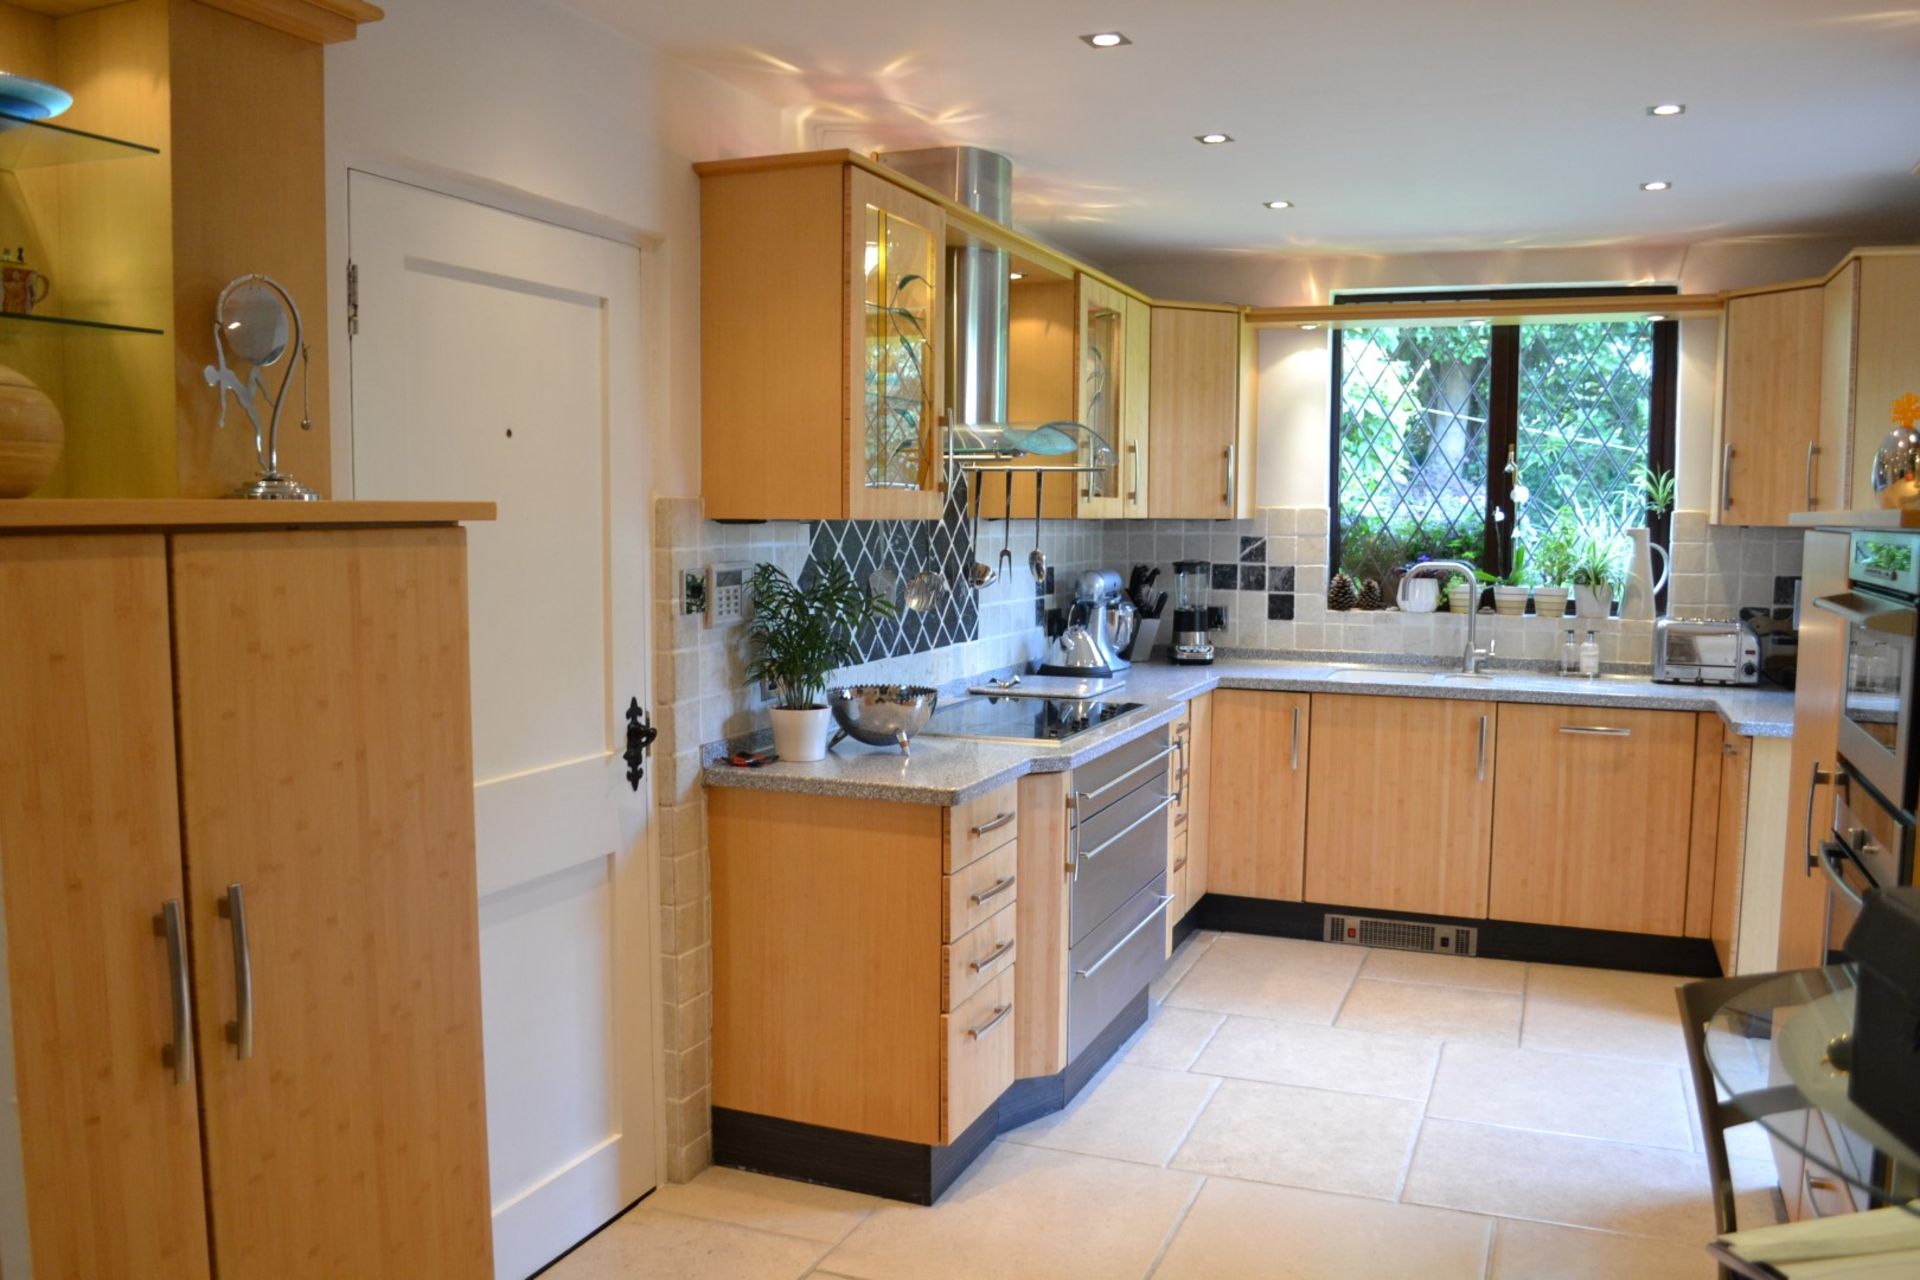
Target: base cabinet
[244, 979]
[1257, 794]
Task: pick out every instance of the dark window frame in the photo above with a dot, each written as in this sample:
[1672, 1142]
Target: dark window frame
[1504, 404]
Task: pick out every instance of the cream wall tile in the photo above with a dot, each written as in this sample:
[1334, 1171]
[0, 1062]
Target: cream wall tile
[1345, 1142]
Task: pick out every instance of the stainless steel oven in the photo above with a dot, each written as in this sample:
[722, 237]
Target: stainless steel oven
[1871, 846]
[1880, 608]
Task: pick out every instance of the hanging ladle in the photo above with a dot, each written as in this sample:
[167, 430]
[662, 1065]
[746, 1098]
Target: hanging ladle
[1037, 559]
[979, 574]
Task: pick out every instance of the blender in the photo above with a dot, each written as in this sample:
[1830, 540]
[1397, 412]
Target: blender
[1194, 620]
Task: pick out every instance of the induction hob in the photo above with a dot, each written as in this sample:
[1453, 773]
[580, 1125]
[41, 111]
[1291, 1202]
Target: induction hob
[1023, 719]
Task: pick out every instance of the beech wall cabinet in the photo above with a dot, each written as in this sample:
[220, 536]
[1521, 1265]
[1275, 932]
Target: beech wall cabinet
[1771, 463]
[237, 858]
[1201, 414]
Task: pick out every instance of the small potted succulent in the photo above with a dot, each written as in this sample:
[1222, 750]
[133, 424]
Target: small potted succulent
[800, 632]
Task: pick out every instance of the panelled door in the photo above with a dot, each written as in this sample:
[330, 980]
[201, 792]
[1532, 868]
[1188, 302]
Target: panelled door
[499, 358]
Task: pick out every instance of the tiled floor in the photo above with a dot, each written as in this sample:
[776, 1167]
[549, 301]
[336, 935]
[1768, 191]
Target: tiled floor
[1292, 1109]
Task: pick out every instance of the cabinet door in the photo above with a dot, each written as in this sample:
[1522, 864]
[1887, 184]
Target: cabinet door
[1817, 697]
[1199, 429]
[1839, 303]
[1770, 415]
[1376, 839]
[894, 312]
[1200, 793]
[89, 852]
[1592, 817]
[1258, 794]
[1105, 389]
[1886, 357]
[1134, 404]
[326, 774]
[1729, 847]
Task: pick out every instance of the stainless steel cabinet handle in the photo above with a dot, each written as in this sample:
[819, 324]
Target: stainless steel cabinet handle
[1080, 798]
[1113, 951]
[993, 890]
[1726, 478]
[240, 1030]
[1180, 865]
[179, 1054]
[1813, 451]
[1133, 451]
[1088, 855]
[1806, 840]
[1227, 497]
[1480, 768]
[1597, 730]
[1180, 772]
[991, 956]
[998, 1014]
[1296, 739]
[1831, 856]
[994, 823]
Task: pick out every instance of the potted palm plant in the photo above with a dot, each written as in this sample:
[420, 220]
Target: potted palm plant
[1598, 558]
[800, 632]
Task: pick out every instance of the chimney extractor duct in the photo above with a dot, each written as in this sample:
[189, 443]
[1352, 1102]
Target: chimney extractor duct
[976, 277]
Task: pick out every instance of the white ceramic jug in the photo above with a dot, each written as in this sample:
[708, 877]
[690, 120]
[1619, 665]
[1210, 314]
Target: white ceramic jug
[1642, 586]
[1418, 595]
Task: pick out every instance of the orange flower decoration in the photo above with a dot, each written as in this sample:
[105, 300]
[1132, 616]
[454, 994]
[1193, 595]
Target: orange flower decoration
[1906, 410]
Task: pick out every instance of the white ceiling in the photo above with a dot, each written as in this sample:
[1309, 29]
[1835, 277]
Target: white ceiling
[1395, 125]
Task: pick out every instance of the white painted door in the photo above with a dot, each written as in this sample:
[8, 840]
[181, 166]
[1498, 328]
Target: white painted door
[499, 358]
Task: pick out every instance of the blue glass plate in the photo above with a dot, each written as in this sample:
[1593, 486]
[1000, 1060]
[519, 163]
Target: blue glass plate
[31, 99]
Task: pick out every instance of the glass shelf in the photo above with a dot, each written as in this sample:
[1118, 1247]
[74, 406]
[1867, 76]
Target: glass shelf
[67, 323]
[35, 144]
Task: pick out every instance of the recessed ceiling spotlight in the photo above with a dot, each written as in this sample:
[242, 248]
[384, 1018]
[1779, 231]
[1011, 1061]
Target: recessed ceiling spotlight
[1106, 39]
[1279, 204]
[1655, 318]
[1310, 326]
[1657, 185]
[1016, 275]
[1668, 109]
[1212, 139]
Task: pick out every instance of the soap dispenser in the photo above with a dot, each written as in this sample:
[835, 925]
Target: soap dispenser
[1569, 654]
[1590, 656]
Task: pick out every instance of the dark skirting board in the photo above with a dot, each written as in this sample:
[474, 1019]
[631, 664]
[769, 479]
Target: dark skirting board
[912, 1171]
[1499, 939]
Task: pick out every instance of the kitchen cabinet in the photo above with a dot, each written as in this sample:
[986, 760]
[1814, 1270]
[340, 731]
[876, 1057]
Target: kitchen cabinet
[1043, 385]
[1257, 793]
[1770, 461]
[1401, 799]
[822, 302]
[1188, 820]
[1817, 694]
[1201, 395]
[1114, 370]
[1591, 817]
[1871, 357]
[1730, 842]
[1135, 445]
[237, 853]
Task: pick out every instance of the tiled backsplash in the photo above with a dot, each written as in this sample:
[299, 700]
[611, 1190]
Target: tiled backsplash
[1273, 582]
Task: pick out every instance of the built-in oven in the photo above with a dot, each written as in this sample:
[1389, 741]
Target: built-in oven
[1880, 608]
[1871, 845]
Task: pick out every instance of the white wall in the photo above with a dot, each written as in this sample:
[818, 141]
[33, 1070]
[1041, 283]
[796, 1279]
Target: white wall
[523, 104]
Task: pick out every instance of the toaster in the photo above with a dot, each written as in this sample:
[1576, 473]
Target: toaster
[1705, 651]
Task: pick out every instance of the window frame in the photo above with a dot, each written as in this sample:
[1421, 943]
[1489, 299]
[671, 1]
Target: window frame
[1503, 416]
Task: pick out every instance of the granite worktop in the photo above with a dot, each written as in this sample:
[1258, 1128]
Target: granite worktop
[945, 771]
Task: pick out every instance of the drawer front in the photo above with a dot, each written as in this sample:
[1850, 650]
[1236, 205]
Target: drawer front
[1104, 779]
[979, 826]
[979, 1053]
[980, 890]
[978, 957]
[1114, 853]
[1111, 965]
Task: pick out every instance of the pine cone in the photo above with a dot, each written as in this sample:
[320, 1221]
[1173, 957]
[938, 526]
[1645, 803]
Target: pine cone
[1340, 593]
[1370, 597]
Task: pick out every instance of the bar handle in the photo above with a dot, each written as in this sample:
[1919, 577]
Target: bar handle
[240, 1031]
[1080, 798]
[1090, 854]
[1831, 855]
[1597, 730]
[994, 823]
[1813, 451]
[993, 890]
[1295, 749]
[1180, 770]
[1133, 451]
[1232, 471]
[1480, 768]
[1114, 950]
[1814, 780]
[178, 1055]
[999, 1014]
[1726, 478]
[991, 956]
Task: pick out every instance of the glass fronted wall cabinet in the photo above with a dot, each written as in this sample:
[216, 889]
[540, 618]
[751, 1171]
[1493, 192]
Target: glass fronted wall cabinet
[1114, 335]
[821, 296]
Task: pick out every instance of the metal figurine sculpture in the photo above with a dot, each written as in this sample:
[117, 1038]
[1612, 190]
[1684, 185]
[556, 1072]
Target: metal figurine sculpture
[251, 320]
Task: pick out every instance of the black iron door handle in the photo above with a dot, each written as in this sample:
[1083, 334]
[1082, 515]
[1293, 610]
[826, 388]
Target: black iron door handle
[640, 736]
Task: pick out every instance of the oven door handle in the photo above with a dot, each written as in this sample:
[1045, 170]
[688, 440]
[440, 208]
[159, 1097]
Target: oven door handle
[1831, 853]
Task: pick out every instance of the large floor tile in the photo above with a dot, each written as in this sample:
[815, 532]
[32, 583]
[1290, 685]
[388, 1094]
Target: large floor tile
[1130, 1113]
[1244, 1229]
[1024, 1212]
[1619, 1015]
[1183, 958]
[1509, 976]
[1639, 1102]
[1300, 1053]
[1537, 1251]
[767, 1204]
[1173, 1038]
[1269, 978]
[1611, 1186]
[1614, 988]
[1345, 1142]
[648, 1242]
[1451, 1013]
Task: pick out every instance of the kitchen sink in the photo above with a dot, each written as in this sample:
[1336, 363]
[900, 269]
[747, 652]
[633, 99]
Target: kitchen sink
[1391, 675]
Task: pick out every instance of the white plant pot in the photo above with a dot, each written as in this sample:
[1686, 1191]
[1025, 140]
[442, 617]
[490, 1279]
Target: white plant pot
[800, 736]
[1550, 602]
[1510, 602]
[1593, 602]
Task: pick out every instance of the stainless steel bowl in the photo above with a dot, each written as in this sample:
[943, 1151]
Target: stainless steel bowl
[882, 714]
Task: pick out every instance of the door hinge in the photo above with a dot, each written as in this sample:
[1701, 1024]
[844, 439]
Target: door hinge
[640, 736]
[353, 299]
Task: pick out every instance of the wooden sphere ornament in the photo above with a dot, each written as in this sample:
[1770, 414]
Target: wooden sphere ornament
[31, 435]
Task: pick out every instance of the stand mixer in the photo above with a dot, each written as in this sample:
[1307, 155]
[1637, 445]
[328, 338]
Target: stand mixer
[1101, 625]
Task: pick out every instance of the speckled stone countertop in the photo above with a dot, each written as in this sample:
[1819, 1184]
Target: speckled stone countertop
[945, 771]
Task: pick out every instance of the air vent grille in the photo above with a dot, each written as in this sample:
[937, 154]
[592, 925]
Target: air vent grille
[1402, 935]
